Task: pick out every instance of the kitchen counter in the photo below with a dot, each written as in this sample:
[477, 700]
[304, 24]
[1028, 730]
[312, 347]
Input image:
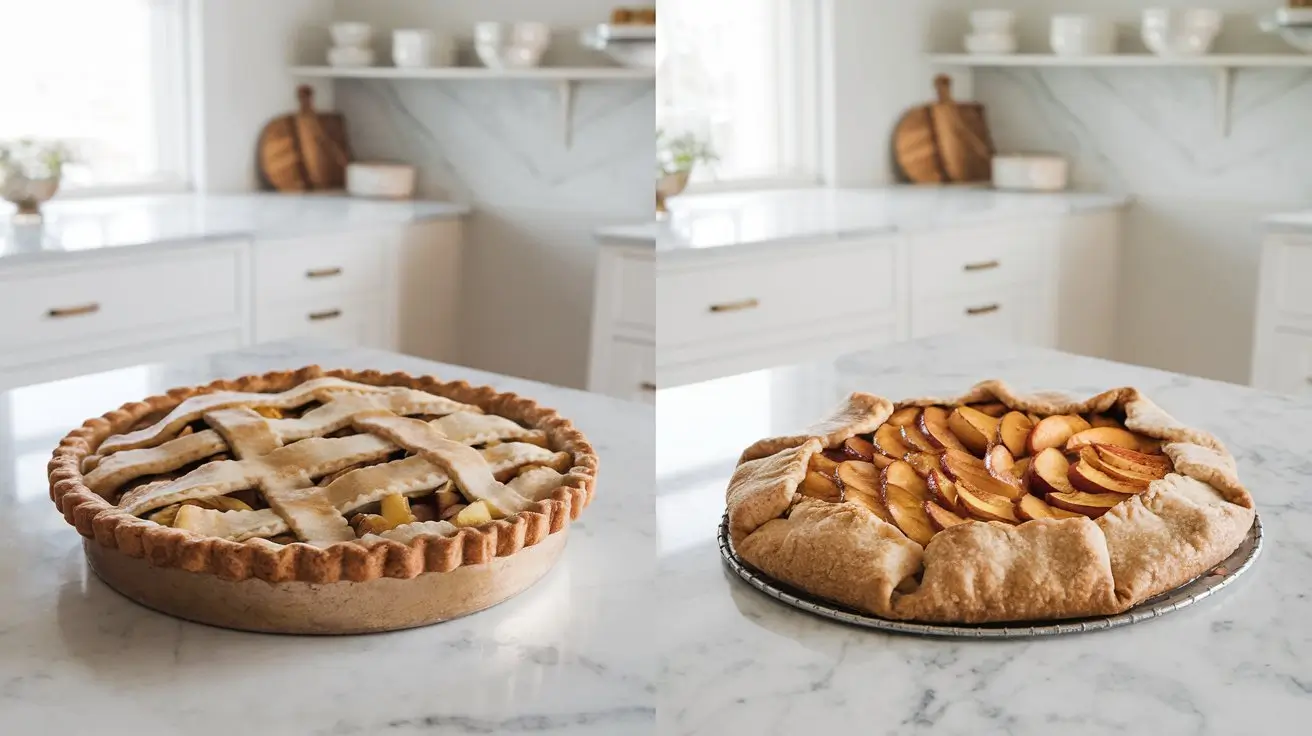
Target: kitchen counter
[737, 661]
[642, 234]
[728, 220]
[115, 223]
[572, 655]
[1295, 221]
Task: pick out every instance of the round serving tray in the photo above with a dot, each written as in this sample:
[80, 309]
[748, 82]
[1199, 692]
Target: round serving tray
[1195, 590]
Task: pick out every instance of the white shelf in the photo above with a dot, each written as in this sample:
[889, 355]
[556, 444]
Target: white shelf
[553, 74]
[1223, 65]
[564, 77]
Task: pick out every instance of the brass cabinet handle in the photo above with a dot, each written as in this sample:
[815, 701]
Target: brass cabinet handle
[326, 314]
[648, 386]
[81, 309]
[737, 306]
[986, 309]
[323, 273]
[982, 266]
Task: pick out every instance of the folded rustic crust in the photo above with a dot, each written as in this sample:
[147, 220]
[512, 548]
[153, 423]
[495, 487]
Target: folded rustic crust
[98, 519]
[981, 572]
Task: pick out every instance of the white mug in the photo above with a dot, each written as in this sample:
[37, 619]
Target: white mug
[413, 47]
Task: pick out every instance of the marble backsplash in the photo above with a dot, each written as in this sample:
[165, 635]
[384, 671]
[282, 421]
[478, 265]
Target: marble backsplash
[1192, 240]
[500, 146]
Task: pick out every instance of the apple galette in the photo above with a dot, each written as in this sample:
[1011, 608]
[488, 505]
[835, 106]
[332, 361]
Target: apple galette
[990, 507]
[320, 477]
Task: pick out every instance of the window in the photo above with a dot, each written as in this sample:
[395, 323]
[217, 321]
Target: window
[105, 77]
[743, 75]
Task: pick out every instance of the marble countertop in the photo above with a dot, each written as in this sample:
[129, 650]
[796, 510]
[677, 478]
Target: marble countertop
[572, 655]
[115, 223]
[737, 661]
[720, 221]
[640, 234]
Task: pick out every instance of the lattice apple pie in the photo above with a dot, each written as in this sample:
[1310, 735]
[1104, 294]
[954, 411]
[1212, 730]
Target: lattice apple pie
[309, 477]
[992, 506]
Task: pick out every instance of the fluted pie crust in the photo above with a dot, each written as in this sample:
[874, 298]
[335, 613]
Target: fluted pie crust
[1181, 527]
[111, 528]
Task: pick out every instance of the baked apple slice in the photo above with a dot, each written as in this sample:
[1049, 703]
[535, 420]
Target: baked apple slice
[1102, 436]
[1102, 420]
[822, 463]
[858, 476]
[859, 449]
[1054, 431]
[1048, 473]
[904, 416]
[944, 492]
[1090, 456]
[1092, 505]
[941, 518]
[821, 487]
[1013, 430]
[934, 424]
[924, 462]
[1022, 471]
[977, 475]
[1002, 466]
[908, 512]
[916, 439]
[973, 427]
[994, 409]
[901, 474]
[1089, 479]
[1033, 507]
[986, 506]
[871, 503]
[1139, 462]
[1150, 445]
[888, 440]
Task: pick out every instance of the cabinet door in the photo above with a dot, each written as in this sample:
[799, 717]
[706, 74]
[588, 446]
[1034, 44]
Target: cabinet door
[631, 372]
[1007, 315]
[1284, 362]
[359, 324]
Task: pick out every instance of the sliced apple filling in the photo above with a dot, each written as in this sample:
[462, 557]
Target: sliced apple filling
[928, 469]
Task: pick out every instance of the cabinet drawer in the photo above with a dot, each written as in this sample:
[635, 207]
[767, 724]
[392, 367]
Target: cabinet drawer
[64, 306]
[1284, 362]
[1292, 272]
[753, 299]
[1003, 314]
[361, 324]
[963, 261]
[295, 270]
[631, 372]
[637, 293]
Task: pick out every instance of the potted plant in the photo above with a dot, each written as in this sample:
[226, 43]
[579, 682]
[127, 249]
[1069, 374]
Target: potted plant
[29, 175]
[676, 157]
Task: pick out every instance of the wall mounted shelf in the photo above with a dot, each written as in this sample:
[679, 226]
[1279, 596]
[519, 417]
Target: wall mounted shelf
[565, 78]
[1223, 66]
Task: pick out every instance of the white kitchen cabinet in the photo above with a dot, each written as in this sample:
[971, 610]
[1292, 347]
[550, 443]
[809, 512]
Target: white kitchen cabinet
[339, 321]
[623, 352]
[1282, 349]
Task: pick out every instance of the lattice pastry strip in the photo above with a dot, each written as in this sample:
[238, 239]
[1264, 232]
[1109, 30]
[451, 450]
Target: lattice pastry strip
[409, 476]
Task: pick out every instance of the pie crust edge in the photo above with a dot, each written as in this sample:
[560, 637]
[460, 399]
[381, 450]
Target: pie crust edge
[96, 518]
[983, 572]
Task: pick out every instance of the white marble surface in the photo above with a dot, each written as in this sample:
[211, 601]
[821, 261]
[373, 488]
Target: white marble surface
[728, 220]
[115, 223]
[736, 661]
[572, 655]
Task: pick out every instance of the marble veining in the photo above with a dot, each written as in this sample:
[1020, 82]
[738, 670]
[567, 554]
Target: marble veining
[718, 221]
[572, 655]
[737, 661]
[117, 223]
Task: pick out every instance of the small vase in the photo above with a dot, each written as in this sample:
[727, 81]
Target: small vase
[670, 185]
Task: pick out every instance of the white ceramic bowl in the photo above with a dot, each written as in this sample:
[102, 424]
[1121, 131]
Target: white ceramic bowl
[992, 21]
[1027, 172]
[1082, 35]
[1297, 35]
[418, 48]
[355, 35]
[350, 56]
[1180, 31]
[511, 45]
[380, 180]
[990, 43]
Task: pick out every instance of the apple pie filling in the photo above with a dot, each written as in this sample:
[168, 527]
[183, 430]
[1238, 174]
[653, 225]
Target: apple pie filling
[927, 469]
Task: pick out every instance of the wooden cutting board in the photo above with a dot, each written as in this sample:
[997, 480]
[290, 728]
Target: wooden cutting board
[944, 141]
[305, 150]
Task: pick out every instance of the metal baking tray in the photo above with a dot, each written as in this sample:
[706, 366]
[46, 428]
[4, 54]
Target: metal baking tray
[1195, 590]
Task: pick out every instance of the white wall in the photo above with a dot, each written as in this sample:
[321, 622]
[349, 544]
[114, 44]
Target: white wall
[240, 55]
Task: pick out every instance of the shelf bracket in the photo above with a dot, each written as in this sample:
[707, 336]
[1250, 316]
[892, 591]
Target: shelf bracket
[1225, 83]
[566, 90]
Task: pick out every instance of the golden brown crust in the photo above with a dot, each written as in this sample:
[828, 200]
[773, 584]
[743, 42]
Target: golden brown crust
[983, 572]
[763, 489]
[98, 519]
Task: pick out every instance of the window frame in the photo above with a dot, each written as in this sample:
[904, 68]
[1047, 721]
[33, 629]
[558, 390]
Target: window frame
[799, 45]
